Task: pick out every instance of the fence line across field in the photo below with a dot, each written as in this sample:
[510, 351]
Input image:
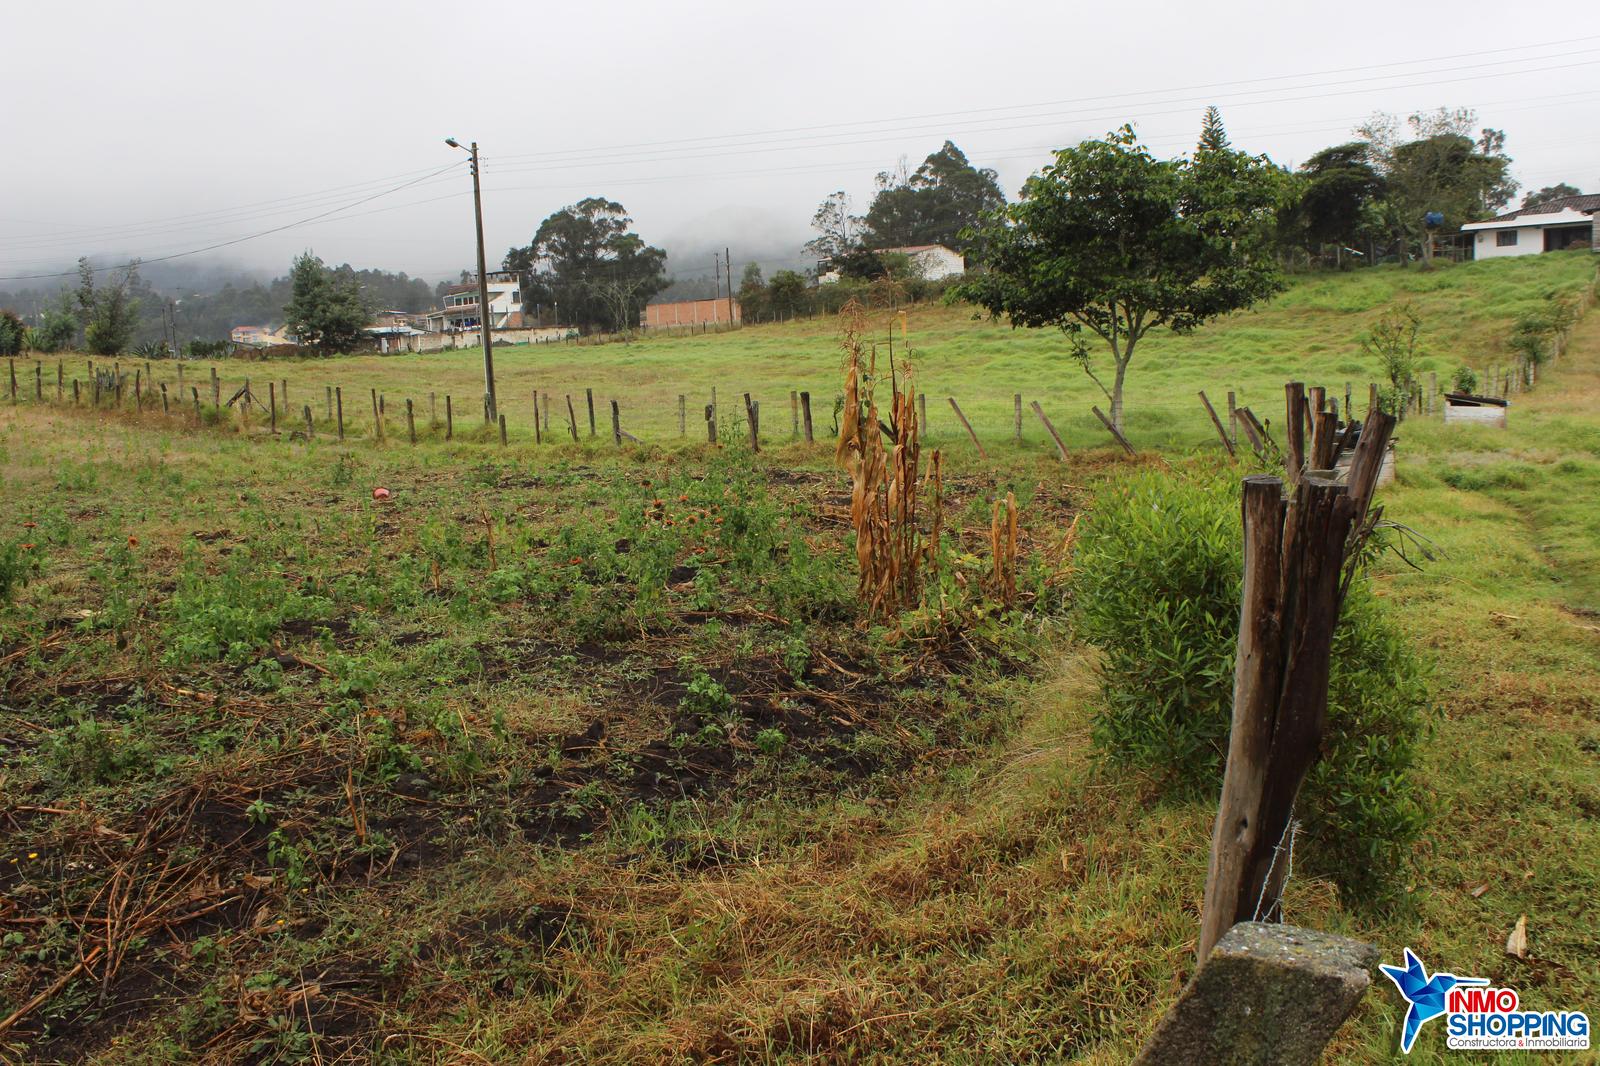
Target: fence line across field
[136, 385]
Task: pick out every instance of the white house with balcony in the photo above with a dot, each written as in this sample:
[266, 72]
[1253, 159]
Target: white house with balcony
[1549, 227]
[461, 312]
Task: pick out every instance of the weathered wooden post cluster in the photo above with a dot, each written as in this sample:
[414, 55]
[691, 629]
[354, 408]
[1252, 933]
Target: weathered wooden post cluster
[1301, 535]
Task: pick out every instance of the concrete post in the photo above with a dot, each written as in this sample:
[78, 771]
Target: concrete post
[1267, 995]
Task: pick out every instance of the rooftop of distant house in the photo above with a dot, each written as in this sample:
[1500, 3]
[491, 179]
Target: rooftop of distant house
[1583, 203]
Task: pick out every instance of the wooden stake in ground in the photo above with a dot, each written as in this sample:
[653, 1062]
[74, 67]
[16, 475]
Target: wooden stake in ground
[711, 424]
[449, 419]
[616, 423]
[1061, 448]
[968, 427]
[683, 415]
[750, 419]
[11, 365]
[1215, 421]
[272, 406]
[75, 399]
[572, 417]
[195, 391]
[1016, 417]
[1113, 430]
[502, 430]
[377, 417]
[411, 422]
[1295, 553]
[805, 414]
[922, 414]
[338, 404]
[1294, 431]
[163, 395]
[588, 394]
[310, 432]
[328, 396]
[538, 434]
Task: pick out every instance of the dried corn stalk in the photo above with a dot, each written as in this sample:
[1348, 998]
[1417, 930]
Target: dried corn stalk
[890, 551]
[1003, 546]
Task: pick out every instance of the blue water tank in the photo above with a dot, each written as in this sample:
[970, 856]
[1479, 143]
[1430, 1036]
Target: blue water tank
[1433, 219]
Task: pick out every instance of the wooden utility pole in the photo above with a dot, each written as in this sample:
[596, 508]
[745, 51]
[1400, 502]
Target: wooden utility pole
[727, 264]
[490, 408]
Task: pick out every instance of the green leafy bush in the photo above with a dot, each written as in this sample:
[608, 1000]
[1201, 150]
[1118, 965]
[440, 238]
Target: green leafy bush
[1157, 588]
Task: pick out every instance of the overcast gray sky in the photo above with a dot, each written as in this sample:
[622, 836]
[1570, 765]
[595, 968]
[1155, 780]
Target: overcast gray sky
[152, 129]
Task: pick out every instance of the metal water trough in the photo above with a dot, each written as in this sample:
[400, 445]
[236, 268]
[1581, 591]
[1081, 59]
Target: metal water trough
[1480, 410]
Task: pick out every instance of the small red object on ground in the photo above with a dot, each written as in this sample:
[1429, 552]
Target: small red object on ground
[381, 493]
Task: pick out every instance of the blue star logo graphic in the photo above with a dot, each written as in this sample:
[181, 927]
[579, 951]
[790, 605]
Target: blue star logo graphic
[1425, 994]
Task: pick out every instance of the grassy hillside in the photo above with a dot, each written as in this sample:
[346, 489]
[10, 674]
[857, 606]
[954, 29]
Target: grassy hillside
[1312, 332]
[512, 769]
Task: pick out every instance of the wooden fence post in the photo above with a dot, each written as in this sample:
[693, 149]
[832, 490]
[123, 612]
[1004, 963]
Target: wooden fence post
[272, 406]
[61, 381]
[546, 412]
[1294, 431]
[11, 365]
[449, 419]
[502, 419]
[1113, 430]
[616, 423]
[1061, 449]
[1215, 421]
[310, 430]
[1294, 556]
[411, 422]
[794, 413]
[194, 390]
[683, 415]
[750, 419]
[433, 410]
[164, 409]
[75, 399]
[538, 434]
[1016, 416]
[328, 397]
[38, 382]
[922, 414]
[572, 417]
[805, 414]
[589, 396]
[216, 390]
[968, 427]
[377, 417]
[338, 405]
[711, 424]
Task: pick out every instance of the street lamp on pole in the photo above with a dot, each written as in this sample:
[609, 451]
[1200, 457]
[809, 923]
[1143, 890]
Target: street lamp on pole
[490, 408]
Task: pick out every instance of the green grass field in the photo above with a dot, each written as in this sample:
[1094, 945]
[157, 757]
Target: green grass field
[1310, 333]
[522, 766]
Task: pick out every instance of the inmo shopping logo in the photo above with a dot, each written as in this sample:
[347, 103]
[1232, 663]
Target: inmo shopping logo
[1480, 1017]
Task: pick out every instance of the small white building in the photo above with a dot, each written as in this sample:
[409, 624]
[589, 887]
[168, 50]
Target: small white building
[932, 261]
[1550, 227]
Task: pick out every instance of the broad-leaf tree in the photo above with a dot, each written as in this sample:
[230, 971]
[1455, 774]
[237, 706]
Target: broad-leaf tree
[1543, 196]
[936, 204]
[109, 313]
[838, 231]
[1338, 187]
[326, 310]
[1110, 241]
[587, 261]
[1440, 167]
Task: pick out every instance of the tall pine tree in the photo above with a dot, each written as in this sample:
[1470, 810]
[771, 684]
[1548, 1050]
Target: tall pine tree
[1213, 138]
